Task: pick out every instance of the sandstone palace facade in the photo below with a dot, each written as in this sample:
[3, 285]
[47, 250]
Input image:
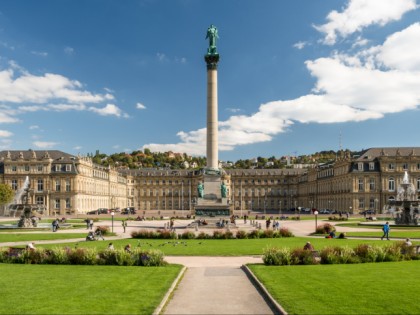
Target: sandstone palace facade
[64, 184]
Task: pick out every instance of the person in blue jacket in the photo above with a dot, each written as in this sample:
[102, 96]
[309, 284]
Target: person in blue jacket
[386, 229]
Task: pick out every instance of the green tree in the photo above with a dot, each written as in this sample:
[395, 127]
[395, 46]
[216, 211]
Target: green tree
[6, 194]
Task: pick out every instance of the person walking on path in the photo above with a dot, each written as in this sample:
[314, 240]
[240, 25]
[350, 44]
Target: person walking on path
[54, 225]
[91, 224]
[124, 224]
[386, 229]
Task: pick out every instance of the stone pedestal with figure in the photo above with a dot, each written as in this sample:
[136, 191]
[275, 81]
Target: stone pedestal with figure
[213, 200]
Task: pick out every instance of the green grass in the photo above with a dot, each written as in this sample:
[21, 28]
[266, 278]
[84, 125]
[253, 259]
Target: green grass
[398, 234]
[379, 288]
[232, 247]
[45, 289]
[24, 237]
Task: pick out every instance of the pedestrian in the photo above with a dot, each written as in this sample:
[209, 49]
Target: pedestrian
[30, 246]
[127, 248]
[172, 224]
[87, 223]
[110, 246]
[55, 225]
[308, 246]
[91, 224]
[386, 229]
[98, 234]
[124, 224]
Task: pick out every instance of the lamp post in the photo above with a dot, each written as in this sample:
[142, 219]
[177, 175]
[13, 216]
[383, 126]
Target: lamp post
[112, 220]
[316, 219]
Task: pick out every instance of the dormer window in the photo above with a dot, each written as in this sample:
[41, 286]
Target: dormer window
[371, 166]
[360, 166]
[68, 168]
[58, 168]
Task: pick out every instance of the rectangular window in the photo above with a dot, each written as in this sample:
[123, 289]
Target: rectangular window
[361, 184]
[57, 204]
[361, 203]
[360, 166]
[371, 166]
[14, 184]
[405, 166]
[371, 203]
[14, 168]
[68, 185]
[68, 206]
[39, 200]
[27, 168]
[57, 168]
[39, 168]
[391, 166]
[68, 167]
[40, 186]
[372, 184]
[57, 185]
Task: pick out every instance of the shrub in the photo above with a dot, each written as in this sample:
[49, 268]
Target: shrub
[254, 234]
[285, 232]
[325, 228]
[338, 255]
[166, 234]
[218, 234]
[143, 234]
[240, 234]
[303, 257]
[148, 258]
[104, 229]
[59, 256]
[82, 256]
[228, 235]
[203, 235]
[188, 235]
[334, 218]
[267, 234]
[278, 256]
[297, 218]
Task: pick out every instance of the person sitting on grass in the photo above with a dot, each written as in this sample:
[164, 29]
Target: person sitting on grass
[408, 242]
[308, 246]
[90, 236]
[127, 248]
[342, 235]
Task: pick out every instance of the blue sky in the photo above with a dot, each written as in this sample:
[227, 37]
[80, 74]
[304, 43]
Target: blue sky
[295, 76]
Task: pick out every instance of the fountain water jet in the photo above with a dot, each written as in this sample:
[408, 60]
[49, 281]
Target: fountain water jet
[407, 199]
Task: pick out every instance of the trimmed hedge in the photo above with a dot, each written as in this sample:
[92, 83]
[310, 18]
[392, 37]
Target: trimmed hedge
[363, 253]
[84, 256]
[217, 234]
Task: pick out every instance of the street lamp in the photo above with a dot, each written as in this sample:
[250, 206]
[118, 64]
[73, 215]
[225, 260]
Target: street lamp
[316, 219]
[112, 224]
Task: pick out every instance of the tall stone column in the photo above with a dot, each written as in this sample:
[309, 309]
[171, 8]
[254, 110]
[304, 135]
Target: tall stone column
[212, 114]
[212, 58]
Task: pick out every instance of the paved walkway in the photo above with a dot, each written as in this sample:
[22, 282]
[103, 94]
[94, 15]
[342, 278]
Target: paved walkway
[216, 285]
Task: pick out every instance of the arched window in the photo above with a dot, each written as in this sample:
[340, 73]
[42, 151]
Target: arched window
[418, 184]
[391, 184]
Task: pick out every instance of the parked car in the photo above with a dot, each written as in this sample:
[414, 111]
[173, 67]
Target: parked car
[128, 210]
[99, 211]
[324, 211]
[367, 212]
[307, 210]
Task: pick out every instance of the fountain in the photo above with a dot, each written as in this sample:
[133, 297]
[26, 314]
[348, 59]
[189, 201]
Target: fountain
[407, 200]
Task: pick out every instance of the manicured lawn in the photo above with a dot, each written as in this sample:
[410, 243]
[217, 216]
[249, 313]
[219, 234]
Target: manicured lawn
[219, 247]
[24, 237]
[46, 289]
[378, 288]
[393, 233]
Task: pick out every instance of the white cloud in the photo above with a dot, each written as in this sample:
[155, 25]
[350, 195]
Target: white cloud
[363, 13]
[233, 110]
[161, 57]
[5, 134]
[44, 144]
[140, 106]
[39, 53]
[108, 110]
[300, 45]
[41, 89]
[33, 127]
[78, 147]
[69, 51]
[401, 50]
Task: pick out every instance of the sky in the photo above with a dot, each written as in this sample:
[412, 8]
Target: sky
[295, 76]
